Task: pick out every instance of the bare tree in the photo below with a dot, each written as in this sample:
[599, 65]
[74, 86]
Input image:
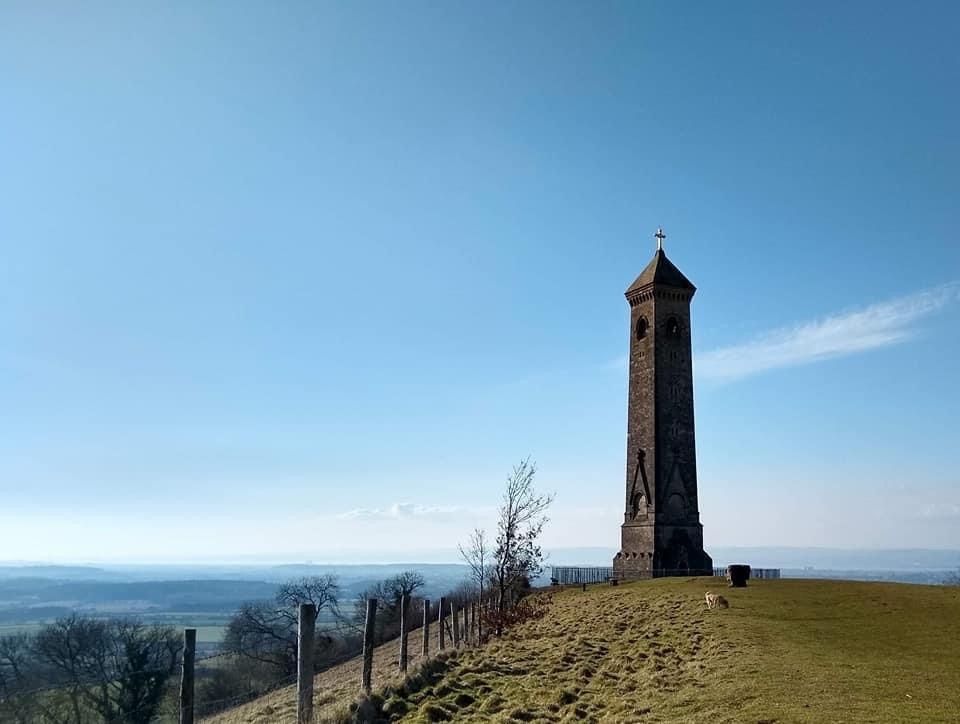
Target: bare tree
[389, 593]
[403, 584]
[18, 674]
[322, 591]
[476, 555]
[262, 632]
[266, 631]
[118, 668]
[142, 658]
[517, 557]
[73, 649]
[952, 579]
[15, 662]
[463, 594]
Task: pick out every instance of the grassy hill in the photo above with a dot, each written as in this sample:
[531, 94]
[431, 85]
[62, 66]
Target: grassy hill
[785, 651]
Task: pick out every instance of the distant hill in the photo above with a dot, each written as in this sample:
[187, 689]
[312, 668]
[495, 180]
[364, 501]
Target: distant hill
[41, 599]
[34, 594]
[450, 565]
[57, 572]
[785, 651]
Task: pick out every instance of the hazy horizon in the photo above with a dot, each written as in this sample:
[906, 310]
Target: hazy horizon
[762, 556]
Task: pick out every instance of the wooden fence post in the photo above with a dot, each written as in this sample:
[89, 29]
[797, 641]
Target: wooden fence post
[186, 677]
[473, 621]
[306, 623]
[368, 644]
[440, 632]
[479, 619]
[455, 618]
[425, 651]
[468, 623]
[404, 625]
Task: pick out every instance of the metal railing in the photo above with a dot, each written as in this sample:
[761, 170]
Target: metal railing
[571, 575]
[761, 573]
[575, 575]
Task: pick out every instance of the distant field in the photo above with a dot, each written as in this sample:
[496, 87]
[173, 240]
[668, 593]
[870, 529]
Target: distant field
[211, 628]
[12, 628]
[786, 651]
[207, 632]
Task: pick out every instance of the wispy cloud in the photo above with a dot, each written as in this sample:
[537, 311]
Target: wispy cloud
[940, 510]
[403, 511]
[878, 325]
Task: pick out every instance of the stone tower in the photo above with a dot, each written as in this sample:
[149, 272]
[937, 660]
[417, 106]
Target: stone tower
[661, 533]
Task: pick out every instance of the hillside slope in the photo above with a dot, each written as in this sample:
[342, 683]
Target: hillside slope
[334, 689]
[786, 651]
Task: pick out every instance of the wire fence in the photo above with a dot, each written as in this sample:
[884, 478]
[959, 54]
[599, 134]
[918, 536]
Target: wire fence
[574, 575]
[208, 708]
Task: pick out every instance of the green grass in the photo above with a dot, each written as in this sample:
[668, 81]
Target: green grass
[785, 651]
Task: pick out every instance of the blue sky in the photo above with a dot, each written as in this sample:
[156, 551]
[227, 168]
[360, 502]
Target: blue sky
[304, 280]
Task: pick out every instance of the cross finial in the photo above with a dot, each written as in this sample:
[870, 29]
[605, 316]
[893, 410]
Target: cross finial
[660, 236]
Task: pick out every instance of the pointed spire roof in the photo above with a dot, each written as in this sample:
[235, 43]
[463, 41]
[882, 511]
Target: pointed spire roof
[661, 272]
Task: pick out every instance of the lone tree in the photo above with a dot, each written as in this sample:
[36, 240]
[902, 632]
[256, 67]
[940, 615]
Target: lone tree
[322, 591]
[517, 557]
[266, 631]
[476, 554]
[389, 593]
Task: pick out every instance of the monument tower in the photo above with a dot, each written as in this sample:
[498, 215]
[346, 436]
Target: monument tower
[661, 533]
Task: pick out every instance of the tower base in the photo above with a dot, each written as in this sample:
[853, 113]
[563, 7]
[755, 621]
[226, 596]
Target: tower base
[656, 551]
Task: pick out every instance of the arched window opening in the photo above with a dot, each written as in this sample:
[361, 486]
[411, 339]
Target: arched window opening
[642, 327]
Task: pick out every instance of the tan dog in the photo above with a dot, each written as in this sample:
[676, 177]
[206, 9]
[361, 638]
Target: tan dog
[715, 601]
